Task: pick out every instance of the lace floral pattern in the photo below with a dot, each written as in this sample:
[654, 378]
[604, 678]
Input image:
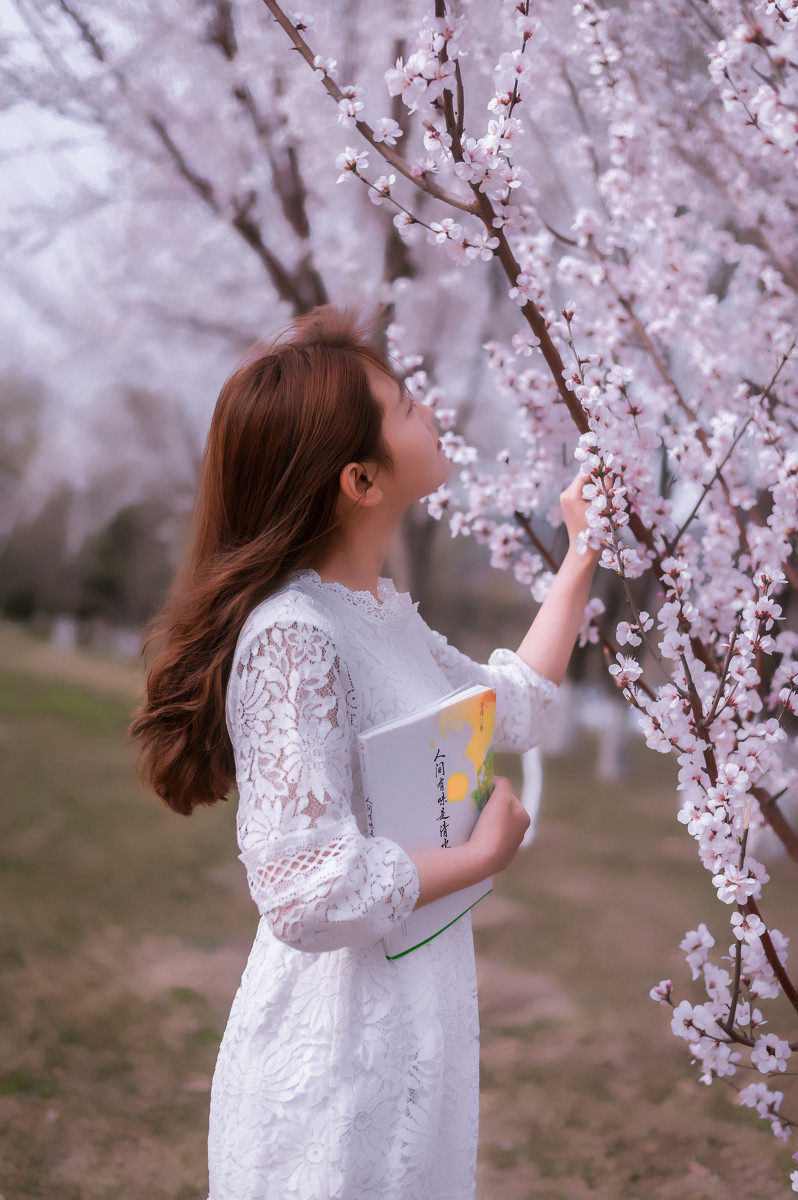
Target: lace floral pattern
[341, 1075]
[316, 879]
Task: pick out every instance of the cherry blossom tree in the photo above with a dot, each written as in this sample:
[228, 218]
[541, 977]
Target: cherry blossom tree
[631, 169]
[171, 198]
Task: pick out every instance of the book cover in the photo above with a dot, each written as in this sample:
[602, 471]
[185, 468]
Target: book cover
[426, 779]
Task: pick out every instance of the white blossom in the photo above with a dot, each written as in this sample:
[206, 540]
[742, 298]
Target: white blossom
[748, 927]
[770, 1053]
[381, 188]
[326, 67]
[351, 161]
[387, 130]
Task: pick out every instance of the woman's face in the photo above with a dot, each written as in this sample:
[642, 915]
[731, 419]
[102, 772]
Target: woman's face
[419, 463]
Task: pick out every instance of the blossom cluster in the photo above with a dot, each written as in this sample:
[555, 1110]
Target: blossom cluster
[725, 1031]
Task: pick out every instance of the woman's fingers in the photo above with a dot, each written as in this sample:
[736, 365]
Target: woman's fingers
[501, 826]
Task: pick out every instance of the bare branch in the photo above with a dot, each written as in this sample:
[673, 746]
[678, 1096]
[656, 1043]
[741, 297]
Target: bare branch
[203, 187]
[775, 818]
[221, 31]
[84, 28]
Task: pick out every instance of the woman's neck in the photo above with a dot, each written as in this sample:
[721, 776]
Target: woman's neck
[356, 557]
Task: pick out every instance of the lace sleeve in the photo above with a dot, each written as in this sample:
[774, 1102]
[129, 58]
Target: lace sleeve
[317, 880]
[525, 701]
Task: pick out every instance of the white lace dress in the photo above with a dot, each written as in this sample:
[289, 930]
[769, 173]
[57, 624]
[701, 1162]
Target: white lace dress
[341, 1075]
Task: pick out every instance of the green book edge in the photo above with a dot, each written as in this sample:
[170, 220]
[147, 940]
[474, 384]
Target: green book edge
[432, 936]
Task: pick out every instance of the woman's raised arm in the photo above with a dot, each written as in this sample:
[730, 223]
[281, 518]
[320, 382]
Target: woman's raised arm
[547, 646]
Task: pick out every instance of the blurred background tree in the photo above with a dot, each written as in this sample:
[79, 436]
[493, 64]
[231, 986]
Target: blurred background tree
[160, 174]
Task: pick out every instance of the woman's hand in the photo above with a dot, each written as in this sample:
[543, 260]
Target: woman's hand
[573, 508]
[548, 645]
[500, 828]
[492, 845]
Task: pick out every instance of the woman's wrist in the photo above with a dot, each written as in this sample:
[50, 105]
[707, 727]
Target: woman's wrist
[581, 561]
[476, 859]
[441, 871]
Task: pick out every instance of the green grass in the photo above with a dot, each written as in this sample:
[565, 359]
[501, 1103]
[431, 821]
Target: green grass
[124, 929]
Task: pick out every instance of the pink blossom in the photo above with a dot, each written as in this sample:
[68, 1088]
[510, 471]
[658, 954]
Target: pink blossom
[381, 188]
[474, 162]
[452, 32]
[527, 26]
[524, 342]
[735, 885]
[326, 67]
[697, 943]
[445, 418]
[770, 1053]
[349, 106]
[351, 162]
[718, 983]
[436, 140]
[505, 542]
[527, 567]
[406, 80]
[513, 71]
[684, 1022]
[403, 221]
[302, 21]
[589, 629]
[439, 502]
[746, 926]
[441, 231]
[501, 134]
[523, 289]
[387, 130]
[457, 449]
[508, 216]
[758, 1096]
[459, 525]
[440, 77]
[717, 1058]
[626, 670]
[481, 246]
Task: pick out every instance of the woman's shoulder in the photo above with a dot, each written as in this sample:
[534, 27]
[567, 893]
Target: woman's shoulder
[290, 606]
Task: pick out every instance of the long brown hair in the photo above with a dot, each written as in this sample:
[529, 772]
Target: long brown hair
[285, 425]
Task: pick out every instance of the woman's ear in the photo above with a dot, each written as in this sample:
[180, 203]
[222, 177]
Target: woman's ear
[359, 484]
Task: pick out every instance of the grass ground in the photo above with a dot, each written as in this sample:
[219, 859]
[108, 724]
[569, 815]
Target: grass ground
[124, 929]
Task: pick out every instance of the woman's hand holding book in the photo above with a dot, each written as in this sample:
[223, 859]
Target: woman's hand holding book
[500, 828]
[491, 847]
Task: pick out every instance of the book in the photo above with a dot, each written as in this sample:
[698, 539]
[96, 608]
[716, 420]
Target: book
[426, 779]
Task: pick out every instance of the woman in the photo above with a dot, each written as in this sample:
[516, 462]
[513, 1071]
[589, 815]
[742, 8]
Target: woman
[342, 1075]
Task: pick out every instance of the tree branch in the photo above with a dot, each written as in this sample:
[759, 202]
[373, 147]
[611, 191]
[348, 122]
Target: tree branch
[203, 187]
[387, 152]
[775, 818]
[787, 985]
[85, 30]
